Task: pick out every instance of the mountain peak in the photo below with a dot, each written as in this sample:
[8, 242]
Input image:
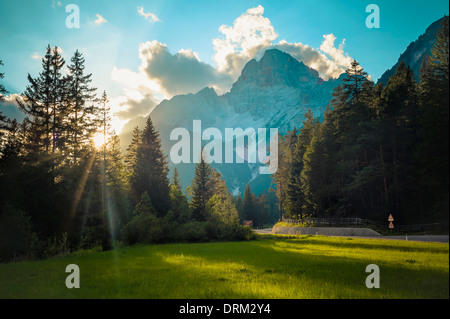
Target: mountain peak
[276, 68]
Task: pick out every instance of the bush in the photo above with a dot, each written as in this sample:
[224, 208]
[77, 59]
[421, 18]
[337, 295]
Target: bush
[243, 233]
[15, 234]
[95, 236]
[144, 228]
[192, 231]
[57, 247]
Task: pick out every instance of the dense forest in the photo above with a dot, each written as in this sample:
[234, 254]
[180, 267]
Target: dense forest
[379, 150]
[60, 192]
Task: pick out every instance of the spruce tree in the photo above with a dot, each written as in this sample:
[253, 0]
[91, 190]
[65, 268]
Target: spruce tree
[116, 183]
[37, 105]
[397, 121]
[58, 91]
[150, 171]
[217, 184]
[83, 111]
[131, 152]
[201, 189]
[3, 91]
[433, 150]
[249, 210]
[280, 178]
[176, 179]
[295, 203]
[179, 201]
[354, 82]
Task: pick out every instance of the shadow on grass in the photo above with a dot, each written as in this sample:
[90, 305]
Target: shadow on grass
[237, 270]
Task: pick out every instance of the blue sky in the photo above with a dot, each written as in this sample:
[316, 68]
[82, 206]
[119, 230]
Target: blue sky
[130, 47]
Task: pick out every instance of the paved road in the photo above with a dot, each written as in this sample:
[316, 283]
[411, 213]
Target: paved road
[425, 238]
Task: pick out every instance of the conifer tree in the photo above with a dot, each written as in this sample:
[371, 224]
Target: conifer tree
[354, 82]
[280, 178]
[433, 150]
[116, 182]
[295, 203]
[150, 171]
[131, 152]
[201, 189]
[179, 202]
[217, 184]
[57, 94]
[37, 105]
[176, 179]
[83, 112]
[397, 121]
[248, 205]
[3, 91]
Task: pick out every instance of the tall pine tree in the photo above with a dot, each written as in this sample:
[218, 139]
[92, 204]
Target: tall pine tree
[201, 189]
[150, 171]
[83, 111]
[433, 150]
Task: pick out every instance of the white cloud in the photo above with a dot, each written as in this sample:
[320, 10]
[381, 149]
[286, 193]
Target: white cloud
[35, 56]
[252, 34]
[242, 40]
[100, 20]
[151, 17]
[10, 107]
[179, 73]
[336, 54]
[56, 4]
[139, 94]
[162, 75]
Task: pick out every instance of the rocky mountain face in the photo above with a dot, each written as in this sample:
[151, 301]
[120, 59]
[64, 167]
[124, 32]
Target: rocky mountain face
[415, 52]
[274, 92]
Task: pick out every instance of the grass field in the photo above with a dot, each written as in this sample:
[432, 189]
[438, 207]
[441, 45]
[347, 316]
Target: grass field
[272, 267]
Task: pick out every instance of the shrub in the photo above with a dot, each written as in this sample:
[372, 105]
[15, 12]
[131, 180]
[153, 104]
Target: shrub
[144, 228]
[15, 233]
[192, 231]
[57, 247]
[95, 236]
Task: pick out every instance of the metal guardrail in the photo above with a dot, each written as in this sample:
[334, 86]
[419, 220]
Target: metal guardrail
[363, 222]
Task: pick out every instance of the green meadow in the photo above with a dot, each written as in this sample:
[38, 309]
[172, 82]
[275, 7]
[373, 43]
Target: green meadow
[270, 267]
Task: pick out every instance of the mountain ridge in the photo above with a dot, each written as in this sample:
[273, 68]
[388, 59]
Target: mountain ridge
[415, 52]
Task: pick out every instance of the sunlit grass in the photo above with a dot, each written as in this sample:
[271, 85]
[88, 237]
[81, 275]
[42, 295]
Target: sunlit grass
[273, 267]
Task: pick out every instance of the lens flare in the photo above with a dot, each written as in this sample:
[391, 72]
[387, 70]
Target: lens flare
[99, 140]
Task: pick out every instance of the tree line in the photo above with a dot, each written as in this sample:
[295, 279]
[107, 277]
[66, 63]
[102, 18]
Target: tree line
[379, 150]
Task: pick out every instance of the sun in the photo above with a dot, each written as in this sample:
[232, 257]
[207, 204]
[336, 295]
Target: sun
[99, 140]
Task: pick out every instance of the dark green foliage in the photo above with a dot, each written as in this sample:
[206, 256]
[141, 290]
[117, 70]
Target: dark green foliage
[80, 99]
[15, 233]
[255, 208]
[3, 91]
[201, 189]
[144, 227]
[150, 171]
[433, 151]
